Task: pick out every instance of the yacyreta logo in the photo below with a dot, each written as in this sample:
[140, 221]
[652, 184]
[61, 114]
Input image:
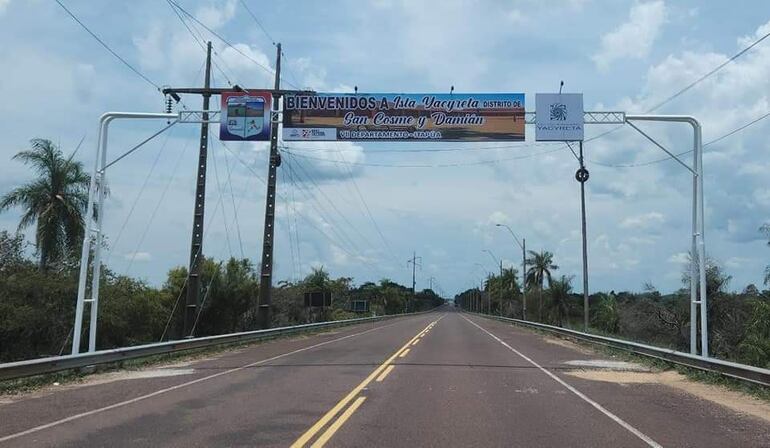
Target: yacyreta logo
[558, 112]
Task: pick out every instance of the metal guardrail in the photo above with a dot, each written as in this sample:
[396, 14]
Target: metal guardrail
[734, 370]
[52, 364]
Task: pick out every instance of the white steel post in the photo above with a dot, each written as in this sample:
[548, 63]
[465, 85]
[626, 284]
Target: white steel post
[698, 248]
[704, 335]
[100, 164]
[694, 257]
[102, 191]
[85, 251]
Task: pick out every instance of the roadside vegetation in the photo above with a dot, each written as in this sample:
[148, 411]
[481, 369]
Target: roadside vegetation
[739, 322]
[38, 280]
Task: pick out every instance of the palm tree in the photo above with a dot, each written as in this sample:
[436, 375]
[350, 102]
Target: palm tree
[541, 265]
[56, 200]
[560, 291]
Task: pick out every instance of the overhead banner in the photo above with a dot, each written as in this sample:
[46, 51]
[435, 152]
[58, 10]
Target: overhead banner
[404, 117]
[245, 116]
[559, 117]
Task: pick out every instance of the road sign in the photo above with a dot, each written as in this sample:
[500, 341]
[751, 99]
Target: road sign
[559, 117]
[359, 306]
[318, 299]
[404, 117]
[245, 116]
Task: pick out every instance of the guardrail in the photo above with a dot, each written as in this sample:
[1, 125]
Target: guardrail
[52, 364]
[734, 370]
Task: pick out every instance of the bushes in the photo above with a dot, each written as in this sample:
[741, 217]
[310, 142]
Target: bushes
[37, 307]
[605, 315]
[755, 347]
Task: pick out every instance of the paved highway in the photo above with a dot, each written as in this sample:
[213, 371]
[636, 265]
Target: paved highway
[437, 379]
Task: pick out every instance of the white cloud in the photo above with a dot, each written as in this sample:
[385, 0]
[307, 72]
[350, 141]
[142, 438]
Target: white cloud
[643, 221]
[679, 258]
[4, 5]
[216, 16]
[138, 256]
[634, 38]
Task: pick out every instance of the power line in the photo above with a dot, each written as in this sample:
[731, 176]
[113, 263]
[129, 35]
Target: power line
[235, 210]
[337, 229]
[107, 47]
[292, 242]
[138, 196]
[200, 41]
[225, 41]
[318, 189]
[296, 227]
[690, 86]
[221, 199]
[272, 41]
[716, 69]
[259, 24]
[366, 206]
[306, 218]
[428, 150]
[440, 165]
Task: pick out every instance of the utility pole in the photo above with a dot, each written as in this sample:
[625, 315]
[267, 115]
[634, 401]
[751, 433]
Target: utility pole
[523, 245]
[501, 289]
[196, 254]
[524, 279]
[196, 245]
[266, 280]
[582, 177]
[414, 263]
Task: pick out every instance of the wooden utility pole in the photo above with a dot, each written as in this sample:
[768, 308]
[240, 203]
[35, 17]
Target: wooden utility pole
[414, 263]
[266, 279]
[196, 245]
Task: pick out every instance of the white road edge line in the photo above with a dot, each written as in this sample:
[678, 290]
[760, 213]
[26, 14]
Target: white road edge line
[596, 405]
[179, 386]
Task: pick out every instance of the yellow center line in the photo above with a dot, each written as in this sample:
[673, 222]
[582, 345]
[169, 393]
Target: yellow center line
[385, 373]
[404, 353]
[337, 424]
[310, 433]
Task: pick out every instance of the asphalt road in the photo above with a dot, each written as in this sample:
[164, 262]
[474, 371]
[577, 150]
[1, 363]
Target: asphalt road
[440, 379]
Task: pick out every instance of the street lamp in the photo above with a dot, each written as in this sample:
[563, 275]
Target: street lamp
[523, 245]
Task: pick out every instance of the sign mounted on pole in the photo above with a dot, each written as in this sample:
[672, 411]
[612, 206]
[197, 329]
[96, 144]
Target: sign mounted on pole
[559, 117]
[245, 116]
[404, 117]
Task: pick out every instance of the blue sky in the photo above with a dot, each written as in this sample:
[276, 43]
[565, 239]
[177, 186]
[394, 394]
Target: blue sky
[623, 55]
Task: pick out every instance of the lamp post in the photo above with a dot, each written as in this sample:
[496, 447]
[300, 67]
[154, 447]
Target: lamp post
[523, 246]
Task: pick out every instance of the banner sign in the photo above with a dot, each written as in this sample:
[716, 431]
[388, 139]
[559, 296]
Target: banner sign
[245, 116]
[404, 117]
[559, 117]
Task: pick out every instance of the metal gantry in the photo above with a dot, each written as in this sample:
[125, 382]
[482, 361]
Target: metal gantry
[97, 192]
[93, 222]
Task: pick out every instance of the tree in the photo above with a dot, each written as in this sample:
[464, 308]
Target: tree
[540, 267]
[559, 291]
[56, 200]
[755, 348]
[765, 230]
[606, 316]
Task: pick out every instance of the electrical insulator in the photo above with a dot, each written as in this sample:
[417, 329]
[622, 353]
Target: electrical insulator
[169, 104]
